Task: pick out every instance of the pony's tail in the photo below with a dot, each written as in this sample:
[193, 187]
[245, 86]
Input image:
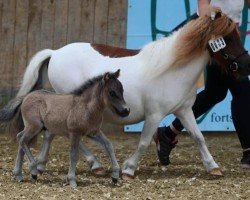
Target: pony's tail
[8, 112]
[31, 75]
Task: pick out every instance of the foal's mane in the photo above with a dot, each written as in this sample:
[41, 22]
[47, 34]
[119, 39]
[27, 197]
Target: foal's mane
[194, 37]
[87, 84]
[91, 82]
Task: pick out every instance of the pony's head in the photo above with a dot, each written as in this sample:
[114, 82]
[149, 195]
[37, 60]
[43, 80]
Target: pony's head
[113, 94]
[220, 37]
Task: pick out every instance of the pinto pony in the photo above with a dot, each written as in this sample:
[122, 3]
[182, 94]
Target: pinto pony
[72, 115]
[158, 80]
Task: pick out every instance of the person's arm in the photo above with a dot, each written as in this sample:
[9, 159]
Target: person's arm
[204, 7]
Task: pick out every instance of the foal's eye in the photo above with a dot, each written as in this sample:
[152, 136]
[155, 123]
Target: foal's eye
[112, 94]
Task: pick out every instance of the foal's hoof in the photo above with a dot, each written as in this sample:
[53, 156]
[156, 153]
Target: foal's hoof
[19, 179]
[72, 183]
[40, 169]
[34, 177]
[99, 172]
[114, 180]
[127, 177]
[215, 172]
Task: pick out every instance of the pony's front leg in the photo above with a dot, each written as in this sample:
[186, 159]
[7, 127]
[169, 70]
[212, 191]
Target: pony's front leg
[44, 153]
[105, 142]
[74, 152]
[150, 125]
[187, 118]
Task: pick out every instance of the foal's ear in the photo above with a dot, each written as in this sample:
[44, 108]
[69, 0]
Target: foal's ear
[106, 77]
[117, 73]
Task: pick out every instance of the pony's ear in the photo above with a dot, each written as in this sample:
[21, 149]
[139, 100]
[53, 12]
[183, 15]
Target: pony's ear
[218, 13]
[117, 73]
[106, 77]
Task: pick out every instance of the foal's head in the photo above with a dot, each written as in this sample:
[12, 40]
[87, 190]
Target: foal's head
[113, 94]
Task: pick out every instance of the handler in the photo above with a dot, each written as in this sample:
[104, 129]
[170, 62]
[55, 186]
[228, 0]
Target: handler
[216, 87]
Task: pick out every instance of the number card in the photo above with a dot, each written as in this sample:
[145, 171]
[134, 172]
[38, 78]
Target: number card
[217, 44]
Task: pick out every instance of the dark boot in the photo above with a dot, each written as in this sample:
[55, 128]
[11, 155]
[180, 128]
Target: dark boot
[245, 161]
[165, 140]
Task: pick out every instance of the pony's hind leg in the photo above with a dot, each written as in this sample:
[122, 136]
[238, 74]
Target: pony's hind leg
[188, 120]
[44, 152]
[19, 161]
[74, 152]
[105, 142]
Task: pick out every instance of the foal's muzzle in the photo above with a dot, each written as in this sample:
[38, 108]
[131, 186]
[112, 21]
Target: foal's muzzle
[124, 112]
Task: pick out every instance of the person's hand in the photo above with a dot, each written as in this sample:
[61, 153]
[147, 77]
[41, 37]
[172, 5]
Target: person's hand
[205, 10]
[208, 10]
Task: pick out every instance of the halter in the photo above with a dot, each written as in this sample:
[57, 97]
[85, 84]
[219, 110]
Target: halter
[218, 45]
[233, 64]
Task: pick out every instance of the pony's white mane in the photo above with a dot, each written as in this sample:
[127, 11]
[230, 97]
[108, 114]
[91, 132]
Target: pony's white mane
[159, 55]
[185, 45]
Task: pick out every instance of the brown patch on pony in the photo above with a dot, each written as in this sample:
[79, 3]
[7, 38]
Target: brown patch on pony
[194, 37]
[114, 52]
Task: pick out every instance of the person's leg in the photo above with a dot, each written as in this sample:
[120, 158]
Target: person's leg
[240, 108]
[216, 88]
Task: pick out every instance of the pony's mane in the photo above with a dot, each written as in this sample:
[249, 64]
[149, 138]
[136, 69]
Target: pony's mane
[194, 37]
[86, 85]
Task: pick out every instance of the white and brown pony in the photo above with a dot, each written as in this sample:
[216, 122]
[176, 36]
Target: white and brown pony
[158, 80]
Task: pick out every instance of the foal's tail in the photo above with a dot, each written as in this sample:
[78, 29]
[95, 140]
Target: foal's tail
[11, 116]
[8, 112]
[31, 75]
[32, 80]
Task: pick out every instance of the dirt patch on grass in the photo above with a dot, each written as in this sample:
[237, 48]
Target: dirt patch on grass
[185, 178]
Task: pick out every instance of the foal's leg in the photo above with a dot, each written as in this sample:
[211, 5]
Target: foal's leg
[44, 153]
[23, 142]
[19, 161]
[74, 152]
[95, 166]
[150, 125]
[105, 142]
[187, 118]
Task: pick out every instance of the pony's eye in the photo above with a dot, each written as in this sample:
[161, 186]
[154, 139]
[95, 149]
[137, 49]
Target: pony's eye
[112, 94]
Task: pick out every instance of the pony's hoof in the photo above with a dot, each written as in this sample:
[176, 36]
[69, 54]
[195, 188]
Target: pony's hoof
[127, 177]
[34, 177]
[215, 172]
[99, 172]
